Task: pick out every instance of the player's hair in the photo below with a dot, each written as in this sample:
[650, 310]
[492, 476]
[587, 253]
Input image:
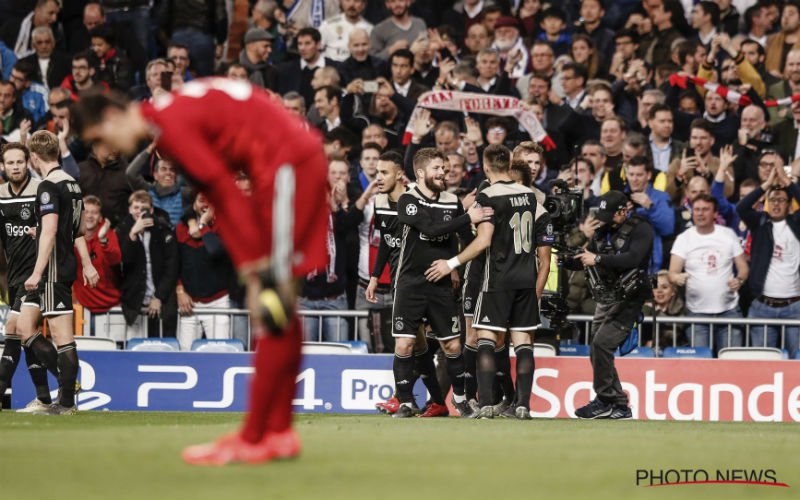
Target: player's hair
[14, 145]
[89, 110]
[708, 199]
[141, 196]
[392, 157]
[91, 199]
[497, 157]
[426, 155]
[520, 172]
[45, 145]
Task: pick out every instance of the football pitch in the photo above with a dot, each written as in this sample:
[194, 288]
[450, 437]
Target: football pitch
[121, 455]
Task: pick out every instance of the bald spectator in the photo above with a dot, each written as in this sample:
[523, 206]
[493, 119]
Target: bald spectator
[254, 57]
[361, 66]
[336, 30]
[52, 65]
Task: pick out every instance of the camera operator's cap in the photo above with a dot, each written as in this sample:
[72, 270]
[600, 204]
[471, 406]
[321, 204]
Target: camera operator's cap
[611, 203]
[257, 35]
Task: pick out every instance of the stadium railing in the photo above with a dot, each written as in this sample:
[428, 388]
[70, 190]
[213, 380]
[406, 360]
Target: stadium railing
[111, 325]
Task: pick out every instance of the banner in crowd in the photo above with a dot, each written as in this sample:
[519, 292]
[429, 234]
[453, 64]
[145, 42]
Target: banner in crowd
[674, 389]
[487, 104]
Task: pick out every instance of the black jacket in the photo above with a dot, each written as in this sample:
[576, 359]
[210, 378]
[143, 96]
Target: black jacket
[60, 66]
[108, 183]
[163, 259]
[760, 226]
[292, 77]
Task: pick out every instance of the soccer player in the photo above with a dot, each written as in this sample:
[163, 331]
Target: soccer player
[430, 217]
[508, 296]
[48, 288]
[391, 186]
[18, 219]
[215, 128]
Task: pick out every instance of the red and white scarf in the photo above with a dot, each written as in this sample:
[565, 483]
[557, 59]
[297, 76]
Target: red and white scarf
[729, 95]
[488, 104]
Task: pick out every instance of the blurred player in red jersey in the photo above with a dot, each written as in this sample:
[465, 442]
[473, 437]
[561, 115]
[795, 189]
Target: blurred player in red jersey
[215, 128]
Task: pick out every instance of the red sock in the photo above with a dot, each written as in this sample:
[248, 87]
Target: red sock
[276, 361]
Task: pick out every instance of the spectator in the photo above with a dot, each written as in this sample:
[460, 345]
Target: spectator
[663, 148]
[703, 260]
[705, 18]
[554, 32]
[702, 162]
[165, 192]
[336, 30]
[106, 258]
[295, 103]
[729, 17]
[493, 79]
[667, 301]
[787, 86]
[296, 75]
[61, 111]
[114, 67]
[326, 101]
[788, 36]
[592, 13]
[199, 247]
[368, 167]
[511, 47]
[324, 289]
[542, 63]
[152, 81]
[133, 16]
[200, 25]
[724, 125]
[255, 59]
[360, 66]
[82, 79]
[573, 80]
[375, 134]
[396, 32]
[103, 175]
[650, 204]
[179, 54]
[33, 95]
[237, 72]
[666, 16]
[94, 16]
[401, 64]
[15, 122]
[626, 43]
[613, 132]
[757, 24]
[477, 39]
[463, 16]
[17, 34]
[149, 270]
[753, 136]
[582, 51]
[774, 255]
[455, 180]
[51, 65]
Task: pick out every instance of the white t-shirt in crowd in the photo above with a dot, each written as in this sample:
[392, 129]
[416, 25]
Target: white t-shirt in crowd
[783, 277]
[708, 258]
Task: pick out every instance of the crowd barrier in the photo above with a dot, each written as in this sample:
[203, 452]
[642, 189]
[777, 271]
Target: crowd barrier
[675, 389]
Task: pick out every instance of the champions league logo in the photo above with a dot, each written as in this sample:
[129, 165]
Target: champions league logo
[411, 210]
[45, 198]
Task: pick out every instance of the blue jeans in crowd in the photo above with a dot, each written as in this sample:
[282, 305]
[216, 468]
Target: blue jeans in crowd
[722, 333]
[334, 329]
[791, 340]
[201, 49]
[139, 19]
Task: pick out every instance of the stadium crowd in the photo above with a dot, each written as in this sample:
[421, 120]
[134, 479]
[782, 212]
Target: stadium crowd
[690, 108]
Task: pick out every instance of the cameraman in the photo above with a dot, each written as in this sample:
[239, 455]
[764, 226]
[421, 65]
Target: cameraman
[619, 243]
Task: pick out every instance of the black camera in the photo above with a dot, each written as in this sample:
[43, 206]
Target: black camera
[565, 206]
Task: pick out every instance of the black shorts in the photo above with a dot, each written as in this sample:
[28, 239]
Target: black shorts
[15, 295]
[52, 299]
[473, 279]
[412, 309]
[502, 310]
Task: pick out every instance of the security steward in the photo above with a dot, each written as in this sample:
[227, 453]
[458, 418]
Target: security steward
[615, 261]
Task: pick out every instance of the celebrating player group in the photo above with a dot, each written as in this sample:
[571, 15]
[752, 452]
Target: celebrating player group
[503, 236]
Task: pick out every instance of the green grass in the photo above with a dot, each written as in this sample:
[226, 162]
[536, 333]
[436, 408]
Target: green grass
[102, 455]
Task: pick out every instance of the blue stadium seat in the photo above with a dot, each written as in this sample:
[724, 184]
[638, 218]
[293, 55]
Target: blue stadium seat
[95, 344]
[357, 346]
[218, 345]
[687, 352]
[166, 344]
[574, 350]
[639, 352]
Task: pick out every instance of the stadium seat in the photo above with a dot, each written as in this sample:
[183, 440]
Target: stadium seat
[326, 348]
[544, 351]
[167, 344]
[95, 344]
[357, 346]
[751, 353]
[687, 352]
[221, 345]
[639, 352]
[574, 350]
